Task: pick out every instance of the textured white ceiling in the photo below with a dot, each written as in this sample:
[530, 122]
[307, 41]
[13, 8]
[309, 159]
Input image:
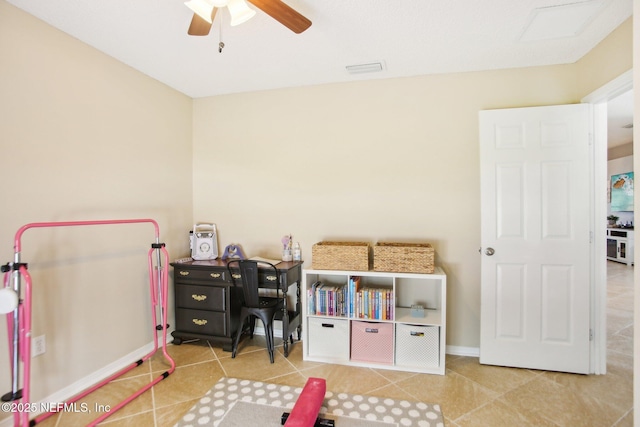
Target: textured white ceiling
[411, 37]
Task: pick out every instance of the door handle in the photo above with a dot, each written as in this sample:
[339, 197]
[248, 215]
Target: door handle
[489, 251]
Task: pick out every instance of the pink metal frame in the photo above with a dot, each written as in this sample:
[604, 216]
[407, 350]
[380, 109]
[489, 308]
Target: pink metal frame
[19, 321]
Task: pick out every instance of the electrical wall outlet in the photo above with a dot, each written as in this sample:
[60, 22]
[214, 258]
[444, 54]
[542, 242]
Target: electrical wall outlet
[37, 346]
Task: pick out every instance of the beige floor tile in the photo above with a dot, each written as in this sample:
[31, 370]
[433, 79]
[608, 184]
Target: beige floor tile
[500, 414]
[168, 416]
[620, 343]
[348, 379]
[141, 419]
[623, 302]
[105, 400]
[560, 404]
[618, 320]
[611, 390]
[255, 365]
[296, 357]
[187, 383]
[496, 378]
[620, 364]
[182, 355]
[392, 391]
[394, 376]
[626, 420]
[456, 394]
[295, 379]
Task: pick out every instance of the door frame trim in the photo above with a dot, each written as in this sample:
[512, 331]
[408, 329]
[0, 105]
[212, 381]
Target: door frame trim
[598, 99]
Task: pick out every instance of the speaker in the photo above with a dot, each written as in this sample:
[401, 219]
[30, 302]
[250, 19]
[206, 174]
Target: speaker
[204, 242]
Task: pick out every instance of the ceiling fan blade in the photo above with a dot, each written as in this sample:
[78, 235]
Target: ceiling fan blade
[199, 26]
[283, 14]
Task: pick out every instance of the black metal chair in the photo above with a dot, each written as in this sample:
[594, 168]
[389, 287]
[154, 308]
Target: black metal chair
[254, 305]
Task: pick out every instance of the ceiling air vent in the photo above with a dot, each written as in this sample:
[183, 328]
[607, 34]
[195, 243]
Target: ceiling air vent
[371, 67]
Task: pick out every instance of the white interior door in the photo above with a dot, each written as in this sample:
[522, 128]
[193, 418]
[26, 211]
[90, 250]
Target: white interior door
[536, 179]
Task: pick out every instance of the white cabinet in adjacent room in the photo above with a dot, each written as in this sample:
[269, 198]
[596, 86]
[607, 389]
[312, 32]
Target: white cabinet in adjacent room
[620, 245]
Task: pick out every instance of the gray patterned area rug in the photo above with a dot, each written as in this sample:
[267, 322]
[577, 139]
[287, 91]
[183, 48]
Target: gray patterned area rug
[236, 402]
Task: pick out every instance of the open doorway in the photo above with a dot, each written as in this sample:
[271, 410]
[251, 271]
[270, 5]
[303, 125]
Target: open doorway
[599, 100]
[620, 233]
[620, 166]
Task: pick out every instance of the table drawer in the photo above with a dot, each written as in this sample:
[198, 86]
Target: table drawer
[180, 273]
[264, 278]
[201, 322]
[201, 297]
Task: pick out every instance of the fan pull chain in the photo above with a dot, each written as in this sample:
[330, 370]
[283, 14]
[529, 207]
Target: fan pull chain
[221, 44]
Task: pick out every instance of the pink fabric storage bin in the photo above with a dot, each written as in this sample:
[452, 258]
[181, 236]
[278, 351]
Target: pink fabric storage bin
[372, 342]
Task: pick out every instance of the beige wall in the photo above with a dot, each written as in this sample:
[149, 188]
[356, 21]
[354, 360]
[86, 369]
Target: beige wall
[85, 137]
[612, 57]
[620, 151]
[393, 159]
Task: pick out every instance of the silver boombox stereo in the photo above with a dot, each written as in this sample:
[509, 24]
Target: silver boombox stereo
[204, 242]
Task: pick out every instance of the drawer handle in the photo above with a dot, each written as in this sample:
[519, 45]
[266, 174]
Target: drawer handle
[417, 334]
[327, 325]
[271, 278]
[236, 276]
[199, 322]
[184, 273]
[215, 275]
[199, 297]
[371, 330]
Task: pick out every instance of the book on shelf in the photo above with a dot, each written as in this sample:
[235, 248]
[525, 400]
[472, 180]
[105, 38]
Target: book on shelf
[373, 303]
[354, 288]
[327, 300]
[350, 300]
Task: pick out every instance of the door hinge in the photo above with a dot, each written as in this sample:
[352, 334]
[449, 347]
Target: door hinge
[590, 334]
[590, 236]
[590, 138]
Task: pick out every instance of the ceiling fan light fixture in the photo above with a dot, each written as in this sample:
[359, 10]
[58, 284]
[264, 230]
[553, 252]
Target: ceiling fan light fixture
[240, 12]
[203, 8]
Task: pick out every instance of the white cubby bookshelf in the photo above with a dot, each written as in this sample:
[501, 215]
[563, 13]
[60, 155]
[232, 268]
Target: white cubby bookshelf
[388, 337]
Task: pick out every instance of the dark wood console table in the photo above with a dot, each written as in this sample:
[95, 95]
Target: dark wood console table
[207, 305]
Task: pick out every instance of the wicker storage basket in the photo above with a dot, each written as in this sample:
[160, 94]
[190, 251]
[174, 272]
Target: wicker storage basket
[352, 256]
[403, 257]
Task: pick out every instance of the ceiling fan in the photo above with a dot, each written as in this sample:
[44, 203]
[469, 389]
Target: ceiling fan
[205, 11]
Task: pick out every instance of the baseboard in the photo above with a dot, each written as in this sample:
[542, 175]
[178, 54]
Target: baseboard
[84, 383]
[455, 350]
[259, 330]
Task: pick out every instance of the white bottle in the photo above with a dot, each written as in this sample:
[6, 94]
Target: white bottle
[297, 253]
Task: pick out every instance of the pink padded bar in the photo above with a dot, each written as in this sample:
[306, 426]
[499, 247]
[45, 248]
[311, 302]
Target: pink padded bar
[305, 411]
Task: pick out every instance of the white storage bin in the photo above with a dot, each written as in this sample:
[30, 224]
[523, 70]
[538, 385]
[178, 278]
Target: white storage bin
[328, 338]
[417, 346]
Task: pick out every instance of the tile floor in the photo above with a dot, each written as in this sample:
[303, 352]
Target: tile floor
[469, 394]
